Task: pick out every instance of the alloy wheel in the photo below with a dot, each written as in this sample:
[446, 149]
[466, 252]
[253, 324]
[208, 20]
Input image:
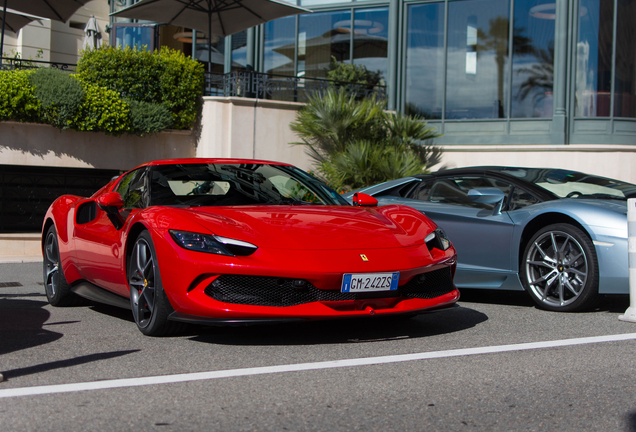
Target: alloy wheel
[556, 268]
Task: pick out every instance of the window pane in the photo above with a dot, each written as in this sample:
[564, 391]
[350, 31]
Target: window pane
[594, 58]
[280, 46]
[239, 50]
[625, 75]
[371, 40]
[425, 60]
[134, 37]
[533, 58]
[321, 36]
[217, 53]
[477, 83]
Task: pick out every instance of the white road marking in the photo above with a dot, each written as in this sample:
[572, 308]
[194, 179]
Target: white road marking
[199, 376]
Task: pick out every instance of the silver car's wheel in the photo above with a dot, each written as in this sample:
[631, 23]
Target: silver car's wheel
[560, 268]
[149, 304]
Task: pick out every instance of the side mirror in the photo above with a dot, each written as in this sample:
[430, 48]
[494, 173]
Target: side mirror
[364, 200]
[488, 195]
[111, 203]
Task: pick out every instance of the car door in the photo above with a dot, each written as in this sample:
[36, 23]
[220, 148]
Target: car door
[481, 235]
[99, 246]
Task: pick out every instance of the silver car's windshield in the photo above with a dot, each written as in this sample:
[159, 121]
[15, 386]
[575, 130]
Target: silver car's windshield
[573, 184]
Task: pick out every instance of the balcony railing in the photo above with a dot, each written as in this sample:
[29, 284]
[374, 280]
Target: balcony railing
[279, 87]
[239, 83]
[13, 63]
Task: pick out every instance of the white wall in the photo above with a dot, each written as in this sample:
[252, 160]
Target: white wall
[59, 42]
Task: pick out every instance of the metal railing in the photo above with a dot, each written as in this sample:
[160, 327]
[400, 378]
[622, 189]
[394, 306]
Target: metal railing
[15, 63]
[279, 87]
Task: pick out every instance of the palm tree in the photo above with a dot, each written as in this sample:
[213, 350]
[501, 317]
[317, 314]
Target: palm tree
[355, 143]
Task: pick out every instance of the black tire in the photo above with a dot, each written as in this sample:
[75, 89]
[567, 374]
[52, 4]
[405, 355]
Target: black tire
[57, 289]
[148, 301]
[560, 268]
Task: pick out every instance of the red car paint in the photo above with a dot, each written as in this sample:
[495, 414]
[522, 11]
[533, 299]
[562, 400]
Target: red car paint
[316, 243]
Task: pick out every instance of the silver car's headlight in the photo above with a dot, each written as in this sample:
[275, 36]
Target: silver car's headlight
[437, 240]
[212, 244]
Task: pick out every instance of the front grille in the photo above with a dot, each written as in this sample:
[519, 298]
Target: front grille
[272, 291]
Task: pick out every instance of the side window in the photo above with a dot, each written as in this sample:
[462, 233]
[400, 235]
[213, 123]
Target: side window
[132, 189]
[454, 190]
[520, 198]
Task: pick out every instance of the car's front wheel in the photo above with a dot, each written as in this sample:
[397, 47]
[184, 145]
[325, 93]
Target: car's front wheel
[148, 301]
[560, 269]
[58, 291]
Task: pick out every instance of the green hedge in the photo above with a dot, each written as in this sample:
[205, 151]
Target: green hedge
[167, 77]
[102, 111]
[60, 95]
[17, 98]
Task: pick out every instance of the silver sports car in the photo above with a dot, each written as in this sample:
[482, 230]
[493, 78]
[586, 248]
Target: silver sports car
[560, 235]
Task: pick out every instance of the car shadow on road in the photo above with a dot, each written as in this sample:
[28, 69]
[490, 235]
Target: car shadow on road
[21, 323]
[343, 331]
[604, 303]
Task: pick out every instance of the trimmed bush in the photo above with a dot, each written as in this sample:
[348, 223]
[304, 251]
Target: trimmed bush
[182, 82]
[102, 111]
[60, 96]
[148, 118]
[133, 74]
[17, 99]
[167, 77]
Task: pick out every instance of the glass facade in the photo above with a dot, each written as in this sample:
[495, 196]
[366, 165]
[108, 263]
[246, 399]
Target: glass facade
[606, 54]
[557, 69]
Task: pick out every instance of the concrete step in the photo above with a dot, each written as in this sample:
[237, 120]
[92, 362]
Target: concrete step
[20, 247]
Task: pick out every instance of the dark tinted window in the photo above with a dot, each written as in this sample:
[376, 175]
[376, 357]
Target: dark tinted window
[237, 184]
[454, 190]
[132, 189]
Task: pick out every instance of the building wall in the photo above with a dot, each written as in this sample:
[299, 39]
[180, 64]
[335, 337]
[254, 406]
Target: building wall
[59, 42]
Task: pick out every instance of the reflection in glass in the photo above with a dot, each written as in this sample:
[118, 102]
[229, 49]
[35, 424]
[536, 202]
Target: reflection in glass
[136, 37]
[594, 58]
[425, 60]
[280, 33]
[321, 36]
[477, 83]
[216, 53]
[371, 39]
[239, 50]
[625, 74]
[533, 58]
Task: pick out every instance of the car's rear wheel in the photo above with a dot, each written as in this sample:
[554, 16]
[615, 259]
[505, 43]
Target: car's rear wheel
[147, 299]
[560, 268]
[58, 291]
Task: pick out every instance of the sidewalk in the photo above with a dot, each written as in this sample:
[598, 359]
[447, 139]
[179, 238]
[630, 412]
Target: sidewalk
[20, 247]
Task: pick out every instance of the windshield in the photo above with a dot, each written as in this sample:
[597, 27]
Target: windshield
[222, 184]
[573, 184]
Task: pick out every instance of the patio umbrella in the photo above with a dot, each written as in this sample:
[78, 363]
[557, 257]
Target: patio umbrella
[14, 21]
[58, 10]
[219, 17]
[92, 35]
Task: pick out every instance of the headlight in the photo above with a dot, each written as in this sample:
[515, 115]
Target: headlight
[212, 244]
[437, 239]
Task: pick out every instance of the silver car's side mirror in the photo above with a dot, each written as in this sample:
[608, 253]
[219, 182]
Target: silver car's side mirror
[488, 195]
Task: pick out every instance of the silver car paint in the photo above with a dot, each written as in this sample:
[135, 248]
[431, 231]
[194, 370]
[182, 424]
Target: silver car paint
[488, 245]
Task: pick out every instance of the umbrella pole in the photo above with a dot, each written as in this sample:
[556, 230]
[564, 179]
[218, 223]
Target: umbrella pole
[209, 41]
[4, 17]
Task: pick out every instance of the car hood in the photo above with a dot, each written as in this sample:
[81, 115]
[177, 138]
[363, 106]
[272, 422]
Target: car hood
[310, 227]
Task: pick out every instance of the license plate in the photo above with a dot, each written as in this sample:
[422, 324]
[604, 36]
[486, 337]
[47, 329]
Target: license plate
[369, 282]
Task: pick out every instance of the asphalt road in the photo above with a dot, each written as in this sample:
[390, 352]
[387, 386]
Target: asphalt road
[517, 368]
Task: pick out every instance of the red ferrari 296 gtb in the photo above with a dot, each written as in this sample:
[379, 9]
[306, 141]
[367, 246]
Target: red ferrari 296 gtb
[218, 241]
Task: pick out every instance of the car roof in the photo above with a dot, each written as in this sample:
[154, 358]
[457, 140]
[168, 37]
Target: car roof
[186, 161]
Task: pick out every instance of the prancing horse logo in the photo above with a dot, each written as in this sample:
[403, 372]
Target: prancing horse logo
[364, 257]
